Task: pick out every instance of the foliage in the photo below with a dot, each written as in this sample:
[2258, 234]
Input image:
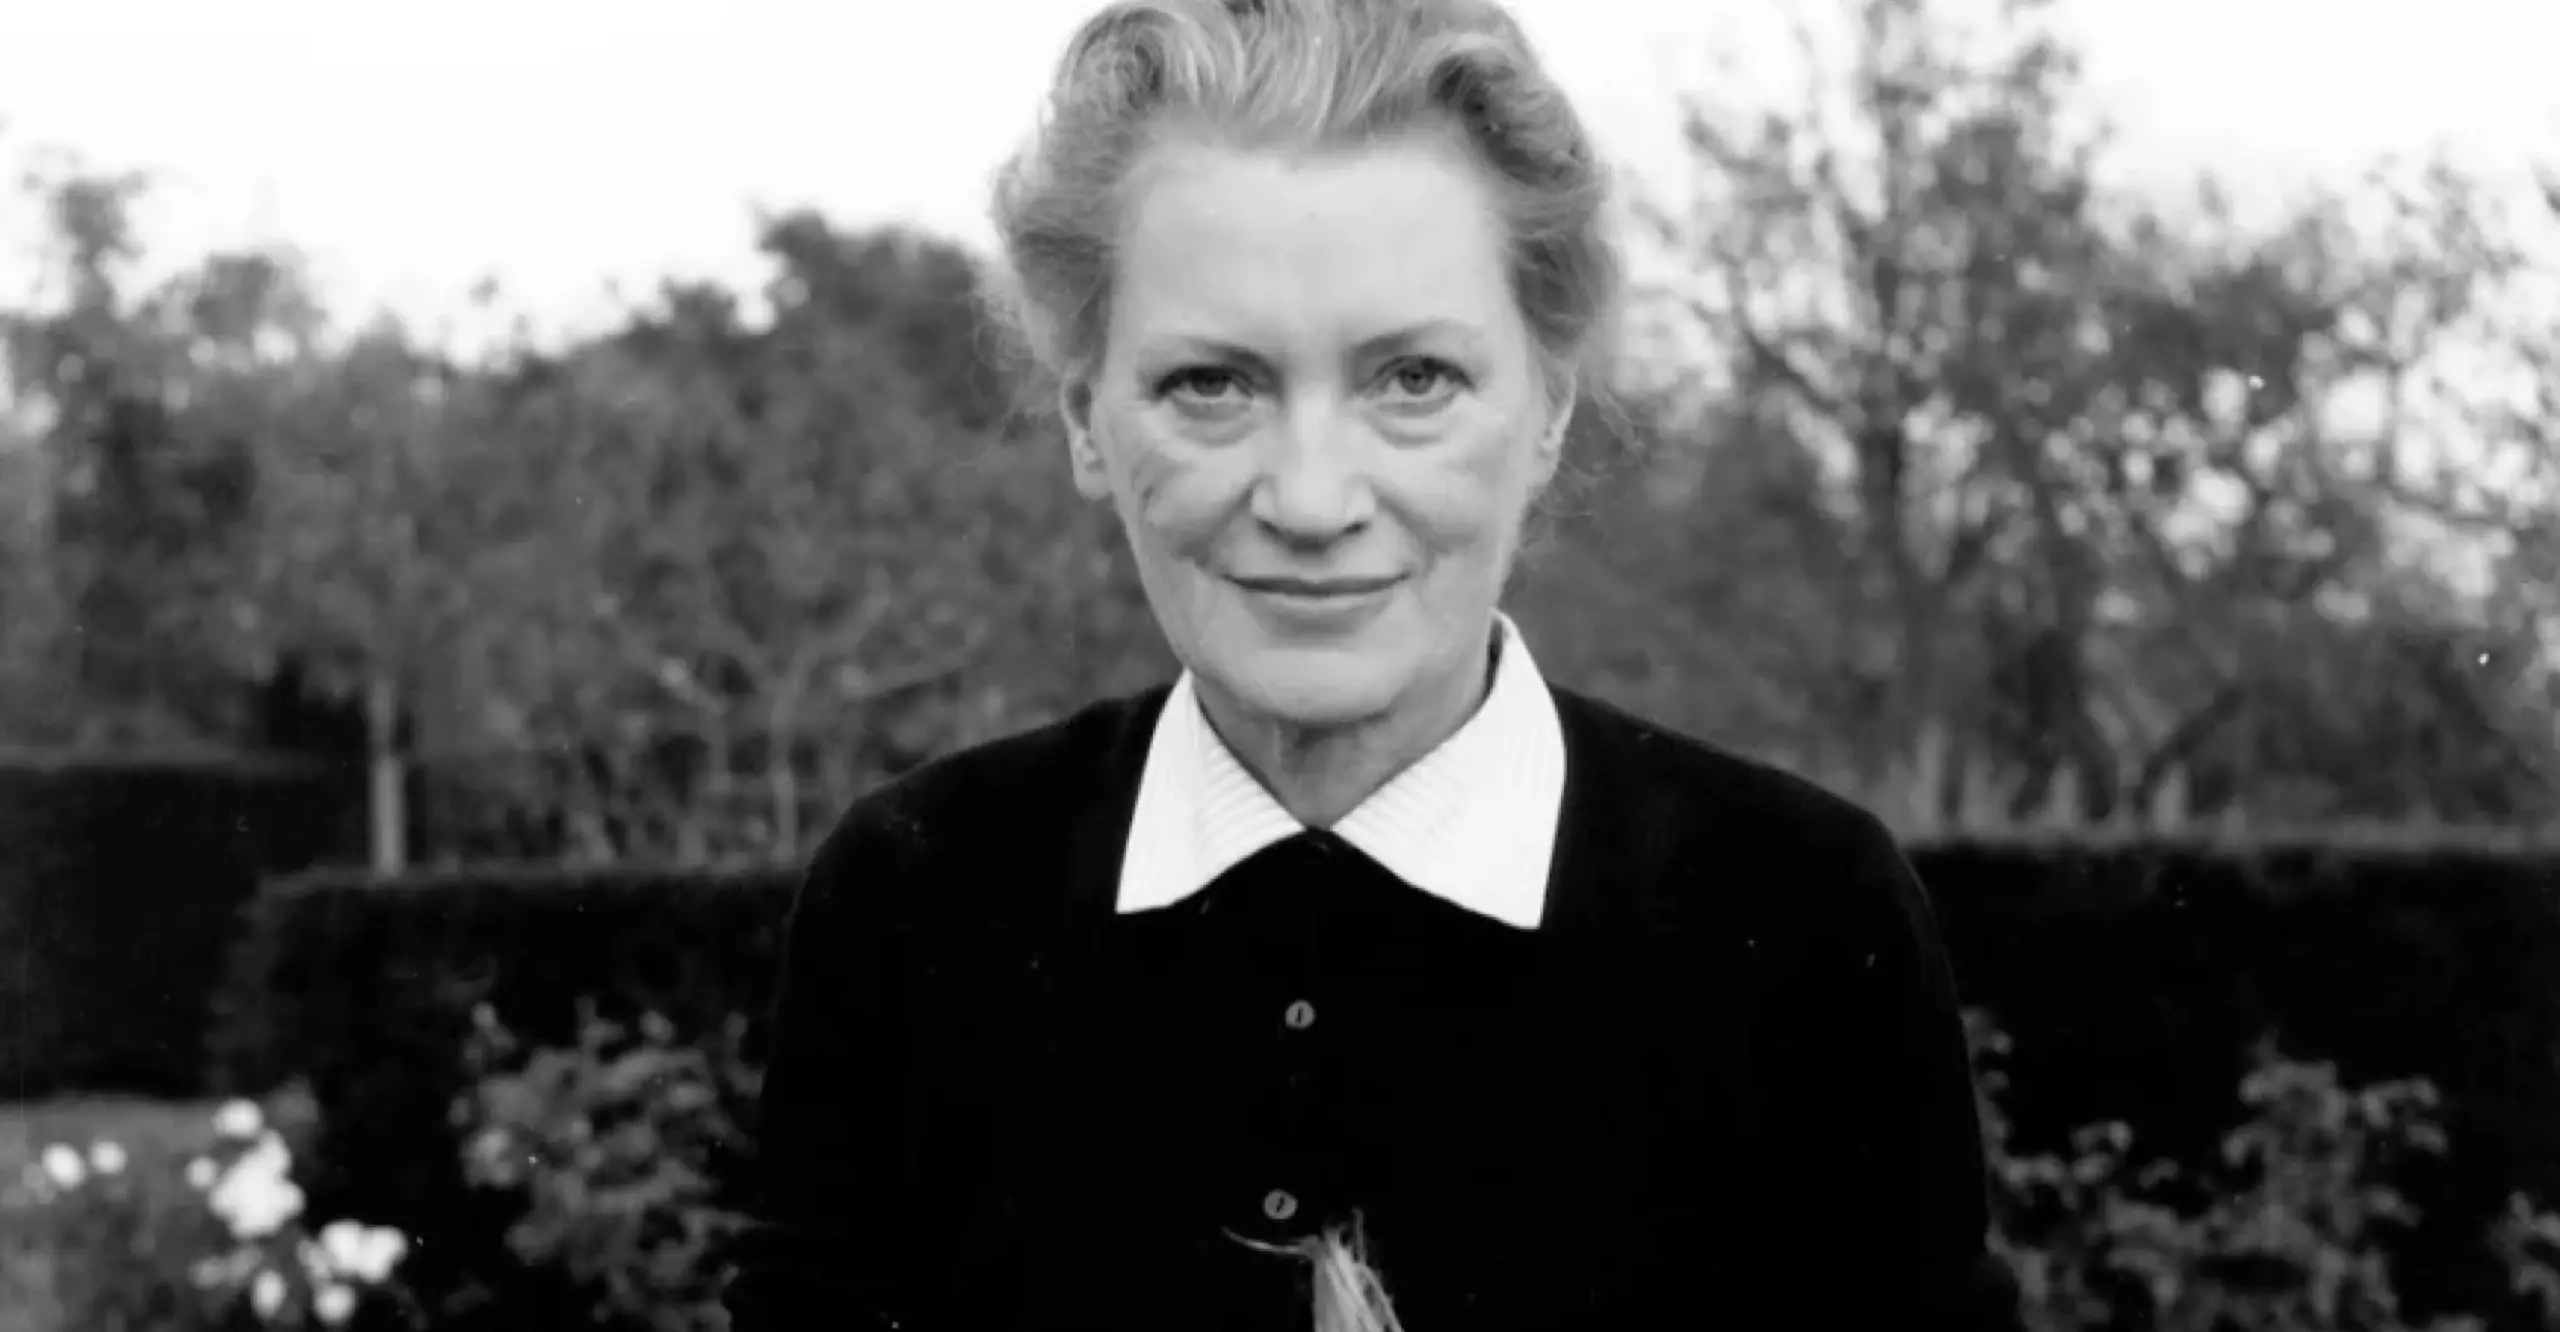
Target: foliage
[626, 1149]
[2286, 1228]
[2134, 969]
[366, 991]
[2090, 504]
[151, 405]
[619, 1143]
[85, 1242]
[2527, 1242]
[640, 592]
[2078, 489]
[100, 1239]
[747, 539]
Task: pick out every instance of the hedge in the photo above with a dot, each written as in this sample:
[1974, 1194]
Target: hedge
[120, 882]
[2134, 977]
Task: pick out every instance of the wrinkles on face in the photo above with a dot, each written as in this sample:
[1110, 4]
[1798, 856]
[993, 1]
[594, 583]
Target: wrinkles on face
[1315, 371]
[1405, 495]
[1304, 427]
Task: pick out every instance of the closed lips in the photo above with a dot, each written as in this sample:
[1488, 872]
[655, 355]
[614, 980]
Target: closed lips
[1315, 587]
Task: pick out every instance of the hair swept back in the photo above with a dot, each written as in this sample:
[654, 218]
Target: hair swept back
[1299, 75]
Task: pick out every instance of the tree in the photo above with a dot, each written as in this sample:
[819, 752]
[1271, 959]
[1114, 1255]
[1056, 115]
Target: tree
[369, 544]
[679, 588]
[747, 566]
[759, 539]
[2298, 621]
[2057, 487]
[1901, 292]
[147, 413]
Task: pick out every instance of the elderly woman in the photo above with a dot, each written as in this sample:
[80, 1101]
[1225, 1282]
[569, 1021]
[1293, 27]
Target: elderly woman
[1360, 940]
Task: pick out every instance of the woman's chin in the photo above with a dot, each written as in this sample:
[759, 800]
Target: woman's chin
[1317, 694]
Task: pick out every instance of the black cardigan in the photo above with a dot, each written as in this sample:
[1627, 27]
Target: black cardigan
[1724, 1084]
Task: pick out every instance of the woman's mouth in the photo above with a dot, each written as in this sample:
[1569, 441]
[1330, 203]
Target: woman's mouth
[1316, 589]
[1318, 601]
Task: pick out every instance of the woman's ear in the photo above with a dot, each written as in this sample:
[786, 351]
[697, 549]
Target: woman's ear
[1564, 393]
[1084, 456]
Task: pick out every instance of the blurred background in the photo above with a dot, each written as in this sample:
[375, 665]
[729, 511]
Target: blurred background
[481, 489]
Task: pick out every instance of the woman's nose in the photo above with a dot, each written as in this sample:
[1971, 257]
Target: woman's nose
[1311, 487]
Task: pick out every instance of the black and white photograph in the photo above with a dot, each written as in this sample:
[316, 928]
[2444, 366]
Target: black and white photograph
[1280, 666]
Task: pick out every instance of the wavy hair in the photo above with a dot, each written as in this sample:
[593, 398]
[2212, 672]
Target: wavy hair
[1299, 75]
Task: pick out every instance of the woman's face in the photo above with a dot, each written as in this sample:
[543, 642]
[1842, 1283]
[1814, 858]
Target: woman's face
[1322, 420]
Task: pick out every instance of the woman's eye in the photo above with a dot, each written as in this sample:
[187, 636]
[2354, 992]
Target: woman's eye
[1207, 385]
[1423, 381]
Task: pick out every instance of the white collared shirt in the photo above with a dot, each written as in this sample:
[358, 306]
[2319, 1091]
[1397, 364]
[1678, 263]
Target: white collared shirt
[1474, 822]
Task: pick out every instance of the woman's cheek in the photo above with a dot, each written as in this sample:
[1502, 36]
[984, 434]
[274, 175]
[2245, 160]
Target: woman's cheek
[1134, 459]
[1456, 490]
[1182, 492]
[1153, 478]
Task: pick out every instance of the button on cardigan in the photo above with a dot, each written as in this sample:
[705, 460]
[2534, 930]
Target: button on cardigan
[1722, 1083]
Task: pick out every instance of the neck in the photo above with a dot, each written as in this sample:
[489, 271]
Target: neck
[1321, 773]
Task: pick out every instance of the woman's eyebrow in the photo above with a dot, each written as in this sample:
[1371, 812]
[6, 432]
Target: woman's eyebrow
[1201, 345]
[1411, 335]
[1463, 335]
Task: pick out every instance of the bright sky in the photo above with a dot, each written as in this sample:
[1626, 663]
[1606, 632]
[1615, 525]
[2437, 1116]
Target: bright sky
[410, 150]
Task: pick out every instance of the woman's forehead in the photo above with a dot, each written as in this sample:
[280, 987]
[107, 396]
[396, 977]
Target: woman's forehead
[1363, 241]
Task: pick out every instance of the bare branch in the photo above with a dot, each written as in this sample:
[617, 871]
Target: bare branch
[927, 671]
[1775, 361]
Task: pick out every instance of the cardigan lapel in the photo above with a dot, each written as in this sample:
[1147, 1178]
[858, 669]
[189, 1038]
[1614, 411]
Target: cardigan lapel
[1100, 835]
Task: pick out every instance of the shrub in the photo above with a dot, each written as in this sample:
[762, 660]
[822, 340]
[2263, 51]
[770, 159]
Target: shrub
[87, 1242]
[2135, 974]
[622, 1145]
[619, 1150]
[2527, 1243]
[625, 1150]
[103, 1243]
[366, 991]
[2283, 1232]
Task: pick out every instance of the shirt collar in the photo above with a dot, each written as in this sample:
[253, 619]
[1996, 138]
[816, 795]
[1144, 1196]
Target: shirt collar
[1473, 822]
